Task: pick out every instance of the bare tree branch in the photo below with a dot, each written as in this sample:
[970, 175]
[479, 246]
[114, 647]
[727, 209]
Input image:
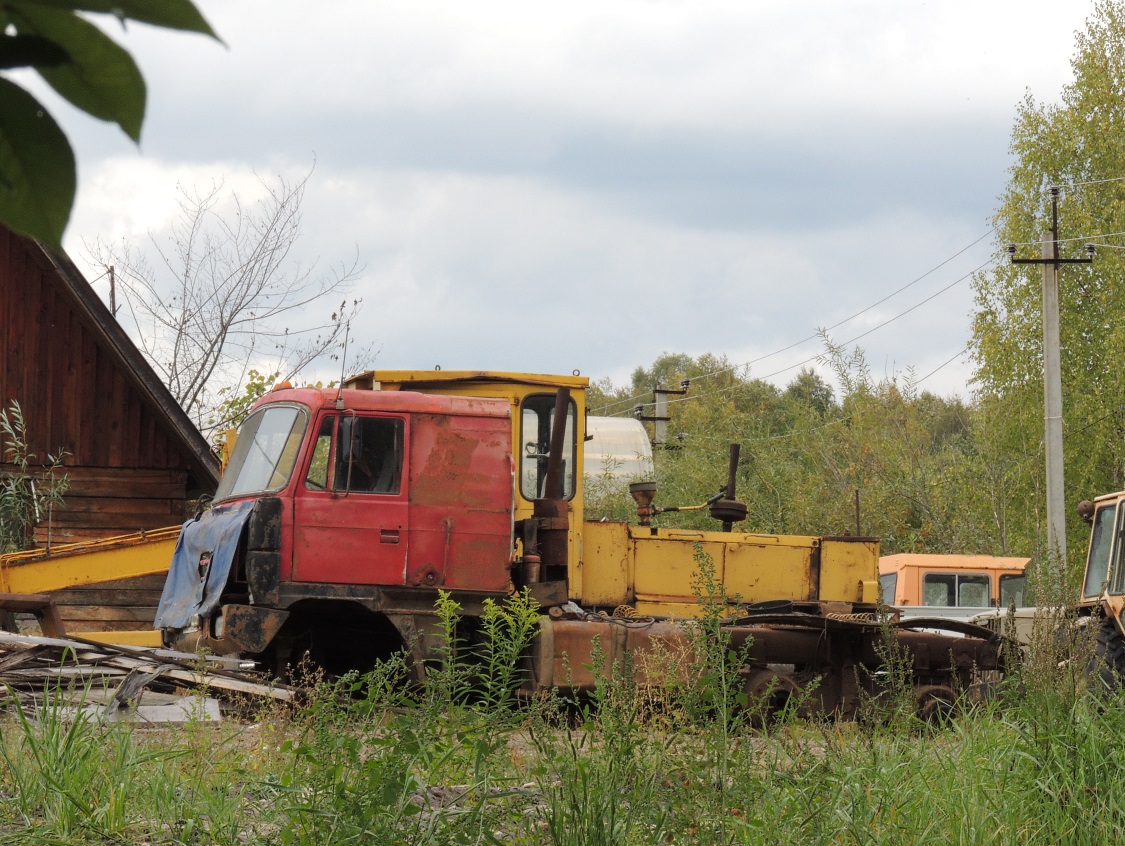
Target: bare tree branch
[227, 291]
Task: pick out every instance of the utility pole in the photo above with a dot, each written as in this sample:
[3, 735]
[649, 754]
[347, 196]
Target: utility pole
[660, 417]
[1052, 379]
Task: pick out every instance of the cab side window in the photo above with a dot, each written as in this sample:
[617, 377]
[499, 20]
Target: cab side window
[369, 455]
[1012, 590]
[317, 477]
[888, 582]
[536, 424]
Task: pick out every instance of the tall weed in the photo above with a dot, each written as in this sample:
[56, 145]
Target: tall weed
[480, 662]
[69, 774]
[601, 777]
[28, 493]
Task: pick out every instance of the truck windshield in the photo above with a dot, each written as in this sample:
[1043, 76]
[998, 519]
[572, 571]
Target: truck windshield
[955, 590]
[1101, 542]
[265, 451]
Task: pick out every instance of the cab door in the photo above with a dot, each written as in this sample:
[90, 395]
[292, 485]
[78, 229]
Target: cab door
[351, 514]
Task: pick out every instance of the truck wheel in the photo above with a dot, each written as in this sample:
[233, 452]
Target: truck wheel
[1109, 646]
[768, 694]
[935, 704]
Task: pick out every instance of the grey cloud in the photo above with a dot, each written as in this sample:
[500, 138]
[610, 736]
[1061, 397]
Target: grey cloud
[818, 172]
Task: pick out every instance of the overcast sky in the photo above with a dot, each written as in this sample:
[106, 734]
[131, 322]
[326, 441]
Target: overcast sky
[552, 187]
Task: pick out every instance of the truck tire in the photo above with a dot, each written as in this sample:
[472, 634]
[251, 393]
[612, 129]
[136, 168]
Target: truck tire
[935, 704]
[1109, 647]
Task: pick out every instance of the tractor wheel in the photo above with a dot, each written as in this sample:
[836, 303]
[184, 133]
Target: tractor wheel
[1109, 647]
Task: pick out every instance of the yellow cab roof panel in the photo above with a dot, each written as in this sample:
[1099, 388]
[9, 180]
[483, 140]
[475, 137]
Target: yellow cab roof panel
[411, 379]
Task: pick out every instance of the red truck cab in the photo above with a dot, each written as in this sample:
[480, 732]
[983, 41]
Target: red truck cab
[380, 497]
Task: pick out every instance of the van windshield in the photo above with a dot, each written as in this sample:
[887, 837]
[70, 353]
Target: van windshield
[265, 451]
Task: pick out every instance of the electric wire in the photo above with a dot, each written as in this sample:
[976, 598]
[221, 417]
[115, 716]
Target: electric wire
[940, 366]
[1112, 246]
[854, 316]
[1091, 182]
[609, 407]
[1089, 238]
[864, 334]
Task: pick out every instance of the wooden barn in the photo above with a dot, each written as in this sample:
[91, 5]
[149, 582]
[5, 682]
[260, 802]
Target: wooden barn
[134, 460]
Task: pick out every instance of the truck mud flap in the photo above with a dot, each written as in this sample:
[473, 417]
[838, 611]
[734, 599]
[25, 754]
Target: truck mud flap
[251, 628]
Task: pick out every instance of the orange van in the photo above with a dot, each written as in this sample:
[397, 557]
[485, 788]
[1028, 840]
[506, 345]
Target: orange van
[952, 581]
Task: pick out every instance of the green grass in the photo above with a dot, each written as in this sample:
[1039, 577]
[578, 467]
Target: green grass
[368, 760]
[1045, 769]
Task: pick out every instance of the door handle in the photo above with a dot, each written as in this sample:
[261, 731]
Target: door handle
[388, 536]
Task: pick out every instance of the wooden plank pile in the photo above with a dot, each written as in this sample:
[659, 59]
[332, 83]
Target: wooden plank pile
[122, 682]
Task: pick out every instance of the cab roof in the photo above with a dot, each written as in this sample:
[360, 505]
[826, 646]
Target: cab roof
[388, 401]
[988, 563]
[397, 379]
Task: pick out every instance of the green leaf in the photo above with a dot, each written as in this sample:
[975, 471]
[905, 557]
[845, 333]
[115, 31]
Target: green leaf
[171, 14]
[37, 179]
[101, 77]
[20, 51]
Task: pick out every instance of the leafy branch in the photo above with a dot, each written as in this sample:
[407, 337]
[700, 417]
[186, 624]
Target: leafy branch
[87, 68]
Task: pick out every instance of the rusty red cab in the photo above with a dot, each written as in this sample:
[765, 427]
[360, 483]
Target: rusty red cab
[375, 494]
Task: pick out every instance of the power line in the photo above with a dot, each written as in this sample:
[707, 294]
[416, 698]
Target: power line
[1088, 238]
[1113, 246]
[1092, 182]
[940, 366]
[1074, 238]
[793, 433]
[857, 314]
[1082, 238]
[852, 340]
[632, 400]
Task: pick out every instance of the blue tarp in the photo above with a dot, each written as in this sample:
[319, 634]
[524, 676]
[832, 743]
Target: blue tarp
[186, 595]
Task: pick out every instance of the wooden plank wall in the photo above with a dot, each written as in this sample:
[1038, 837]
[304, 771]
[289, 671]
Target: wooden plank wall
[102, 502]
[124, 464]
[120, 605]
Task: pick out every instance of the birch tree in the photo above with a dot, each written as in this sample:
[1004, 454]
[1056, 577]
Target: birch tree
[1078, 145]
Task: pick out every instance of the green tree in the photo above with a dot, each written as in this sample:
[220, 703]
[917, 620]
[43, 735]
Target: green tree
[809, 388]
[87, 68]
[931, 472]
[1077, 144]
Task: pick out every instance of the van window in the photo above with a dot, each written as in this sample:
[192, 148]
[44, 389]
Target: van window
[888, 583]
[1012, 590]
[974, 591]
[947, 590]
